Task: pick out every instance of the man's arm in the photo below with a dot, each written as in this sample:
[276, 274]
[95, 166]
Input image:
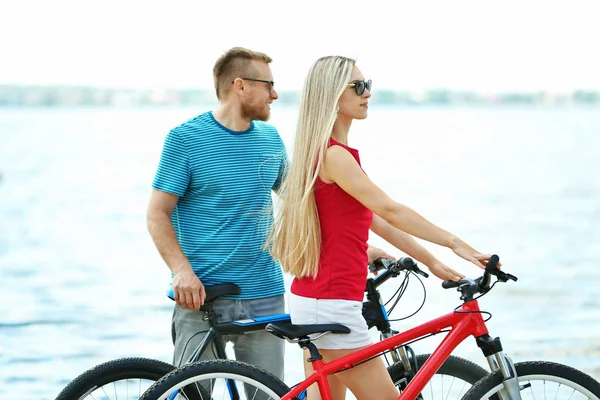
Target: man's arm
[189, 291]
[283, 170]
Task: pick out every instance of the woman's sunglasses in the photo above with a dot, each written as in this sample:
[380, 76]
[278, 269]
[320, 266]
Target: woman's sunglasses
[360, 86]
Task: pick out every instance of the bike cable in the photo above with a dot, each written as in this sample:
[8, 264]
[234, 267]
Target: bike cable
[400, 292]
[489, 314]
[188, 342]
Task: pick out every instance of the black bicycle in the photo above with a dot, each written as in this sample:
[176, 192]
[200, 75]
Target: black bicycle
[128, 378]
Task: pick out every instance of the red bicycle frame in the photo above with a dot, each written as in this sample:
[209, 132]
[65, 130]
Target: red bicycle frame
[465, 321]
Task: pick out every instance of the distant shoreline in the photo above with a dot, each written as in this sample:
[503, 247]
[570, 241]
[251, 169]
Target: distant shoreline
[71, 96]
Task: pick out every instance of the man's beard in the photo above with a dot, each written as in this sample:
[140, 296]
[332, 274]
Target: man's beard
[255, 114]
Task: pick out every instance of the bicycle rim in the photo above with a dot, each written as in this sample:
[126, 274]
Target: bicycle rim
[121, 379]
[547, 387]
[217, 380]
[541, 380]
[219, 385]
[126, 389]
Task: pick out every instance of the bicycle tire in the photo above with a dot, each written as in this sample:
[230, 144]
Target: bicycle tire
[455, 368]
[189, 374]
[114, 371]
[532, 371]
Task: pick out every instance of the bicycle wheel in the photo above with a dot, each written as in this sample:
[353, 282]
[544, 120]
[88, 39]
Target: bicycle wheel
[223, 379]
[125, 378]
[454, 378]
[540, 380]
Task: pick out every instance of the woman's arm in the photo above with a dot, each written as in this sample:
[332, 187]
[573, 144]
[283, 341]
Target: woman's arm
[407, 244]
[340, 167]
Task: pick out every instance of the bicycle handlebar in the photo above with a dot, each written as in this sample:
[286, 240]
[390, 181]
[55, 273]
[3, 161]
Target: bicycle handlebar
[393, 268]
[469, 287]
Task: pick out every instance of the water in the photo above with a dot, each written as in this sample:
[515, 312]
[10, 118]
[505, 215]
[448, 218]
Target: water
[81, 282]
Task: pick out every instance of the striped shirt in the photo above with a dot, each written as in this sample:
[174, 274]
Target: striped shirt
[224, 180]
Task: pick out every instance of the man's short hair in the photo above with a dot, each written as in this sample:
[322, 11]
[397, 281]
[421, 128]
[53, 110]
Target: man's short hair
[235, 63]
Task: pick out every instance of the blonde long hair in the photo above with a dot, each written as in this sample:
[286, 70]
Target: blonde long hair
[295, 237]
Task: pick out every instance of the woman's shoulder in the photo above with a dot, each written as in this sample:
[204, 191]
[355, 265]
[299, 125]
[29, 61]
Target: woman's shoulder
[340, 152]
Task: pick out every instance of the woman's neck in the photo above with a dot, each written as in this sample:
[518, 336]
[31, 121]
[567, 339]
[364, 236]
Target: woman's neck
[341, 127]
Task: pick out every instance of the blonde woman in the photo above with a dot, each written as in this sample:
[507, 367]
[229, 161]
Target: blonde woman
[327, 207]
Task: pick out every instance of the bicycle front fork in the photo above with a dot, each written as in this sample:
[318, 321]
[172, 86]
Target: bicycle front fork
[497, 360]
[399, 354]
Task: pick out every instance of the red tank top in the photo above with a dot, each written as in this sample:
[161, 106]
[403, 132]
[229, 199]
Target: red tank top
[345, 224]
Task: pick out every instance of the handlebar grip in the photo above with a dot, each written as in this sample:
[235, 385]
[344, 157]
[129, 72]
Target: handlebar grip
[450, 284]
[490, 268]
[380, 263]
[492, 263]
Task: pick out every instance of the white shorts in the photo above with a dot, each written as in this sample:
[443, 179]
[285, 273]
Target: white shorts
[309, 311]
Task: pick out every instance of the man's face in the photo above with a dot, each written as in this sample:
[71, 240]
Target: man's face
[258, 96]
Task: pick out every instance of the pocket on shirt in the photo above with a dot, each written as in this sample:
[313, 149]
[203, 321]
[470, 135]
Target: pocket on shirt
[268, 169]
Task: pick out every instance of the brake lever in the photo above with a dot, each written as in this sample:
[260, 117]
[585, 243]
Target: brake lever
[420, 271]
[503, 276]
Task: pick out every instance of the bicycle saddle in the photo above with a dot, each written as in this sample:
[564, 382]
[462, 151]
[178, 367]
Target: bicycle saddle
[213, 292]
[285, 330]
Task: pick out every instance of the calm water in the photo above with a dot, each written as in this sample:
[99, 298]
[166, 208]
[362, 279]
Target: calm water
[81, 283]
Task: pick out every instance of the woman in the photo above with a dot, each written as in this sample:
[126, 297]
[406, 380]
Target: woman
[328, 205]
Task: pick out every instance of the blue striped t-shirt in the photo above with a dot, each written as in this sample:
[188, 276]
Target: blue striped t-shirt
[224, 180]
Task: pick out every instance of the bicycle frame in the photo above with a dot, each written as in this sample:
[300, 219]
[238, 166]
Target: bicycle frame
[373, 311]
[257, 324]
[466, 321]
[217, 329]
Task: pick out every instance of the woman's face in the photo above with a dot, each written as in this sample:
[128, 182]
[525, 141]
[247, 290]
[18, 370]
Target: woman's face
[351, 104]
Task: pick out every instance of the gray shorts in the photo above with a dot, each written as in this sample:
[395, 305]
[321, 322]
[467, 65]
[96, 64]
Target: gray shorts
[260, 348]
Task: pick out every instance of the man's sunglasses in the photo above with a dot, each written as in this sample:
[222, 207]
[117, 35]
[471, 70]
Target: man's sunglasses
[271, 83]
[360, 86]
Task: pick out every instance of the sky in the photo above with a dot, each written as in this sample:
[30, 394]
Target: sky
[485, 46]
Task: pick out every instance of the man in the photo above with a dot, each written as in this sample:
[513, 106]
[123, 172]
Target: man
[210, 209]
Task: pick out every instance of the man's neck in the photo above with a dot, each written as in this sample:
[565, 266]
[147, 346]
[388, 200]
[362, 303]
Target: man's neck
[229, 116]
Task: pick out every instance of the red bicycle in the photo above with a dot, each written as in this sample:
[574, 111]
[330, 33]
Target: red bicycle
[532, 379]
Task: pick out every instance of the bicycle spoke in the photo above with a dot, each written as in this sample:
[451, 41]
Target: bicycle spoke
[125, 389]
[439, 388]
[540, 380]
[556, 394]
[531, 391]
[218, 388]
[449, 389]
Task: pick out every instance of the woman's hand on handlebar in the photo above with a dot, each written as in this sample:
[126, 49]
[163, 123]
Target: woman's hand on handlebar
[465, 251]
[373, 253]
[444, 272]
